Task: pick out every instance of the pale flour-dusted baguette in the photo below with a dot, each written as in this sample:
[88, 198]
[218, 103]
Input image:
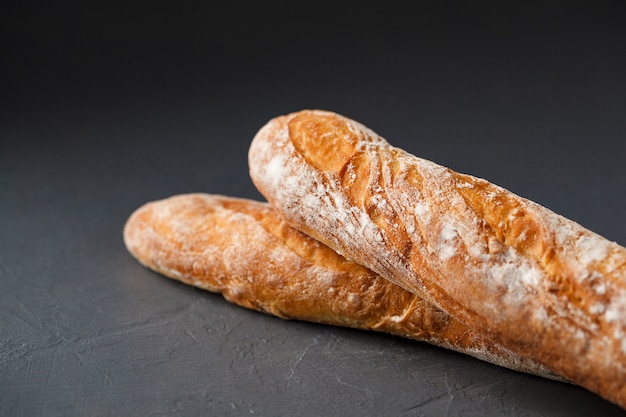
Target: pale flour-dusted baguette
[244, 250]
[508, 268]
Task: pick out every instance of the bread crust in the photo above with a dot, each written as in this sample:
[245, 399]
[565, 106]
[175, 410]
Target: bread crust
[514, 271]
[244, 250]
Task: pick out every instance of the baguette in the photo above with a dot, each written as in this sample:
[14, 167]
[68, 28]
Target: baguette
[512, 270]
[244, 250]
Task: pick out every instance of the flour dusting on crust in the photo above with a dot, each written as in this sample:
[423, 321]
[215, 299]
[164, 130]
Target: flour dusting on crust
[540, 283]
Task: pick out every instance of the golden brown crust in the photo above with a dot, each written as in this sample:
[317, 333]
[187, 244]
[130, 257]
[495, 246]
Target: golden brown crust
[245, 251]
[510, 269]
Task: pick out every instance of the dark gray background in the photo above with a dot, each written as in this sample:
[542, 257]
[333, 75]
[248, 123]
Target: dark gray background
[108, 106]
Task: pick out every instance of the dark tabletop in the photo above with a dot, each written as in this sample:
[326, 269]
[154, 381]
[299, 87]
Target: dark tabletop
[109, 106]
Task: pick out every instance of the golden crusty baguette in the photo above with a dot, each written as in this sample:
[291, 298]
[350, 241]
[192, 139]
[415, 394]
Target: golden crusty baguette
[534, 281]
[244, 250]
